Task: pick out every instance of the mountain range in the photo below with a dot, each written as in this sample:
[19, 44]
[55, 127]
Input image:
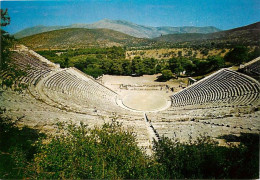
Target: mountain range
[125, 27]
[246, 35]
[83, 38]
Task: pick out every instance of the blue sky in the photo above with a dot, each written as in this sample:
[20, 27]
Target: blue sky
[223, 14]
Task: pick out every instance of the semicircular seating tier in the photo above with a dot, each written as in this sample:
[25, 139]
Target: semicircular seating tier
[34, 68]
[252, 68]
[57, 94]
[223, 88]
[225, 102]
[73, 89]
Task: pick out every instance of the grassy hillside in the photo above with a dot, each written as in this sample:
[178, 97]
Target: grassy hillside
[167, 53]
[246, 35]
[176, 38]
[81, 38]
[36, 30]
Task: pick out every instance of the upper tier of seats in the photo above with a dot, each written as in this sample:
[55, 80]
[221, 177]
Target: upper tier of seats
[64, 87]
[35, 68]
[223, 88]
[252, 68]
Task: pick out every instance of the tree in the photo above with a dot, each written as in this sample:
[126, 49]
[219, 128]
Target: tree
[137, 66]
[5, 19]
[149, 66]
[106, 66]
[237, 56]
[175, 65]
[205, 159]
[126, 67]
[6, 39]
[66, 62]
[166, 74]
[117, 68]
[179, 53]
[205, 52]
[93, 70]
[189, 67]
[81, 64]
[215, 62]
[254, 54]
[201, 66]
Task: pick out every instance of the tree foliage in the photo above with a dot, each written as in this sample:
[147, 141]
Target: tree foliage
[6, 39]
[166, 75]
[108, 152]
[12, 73]
[238, 55]
[5, 18]
[195, 66]
[16, 148]
[98, 61]
[204, 159]
[254, 54]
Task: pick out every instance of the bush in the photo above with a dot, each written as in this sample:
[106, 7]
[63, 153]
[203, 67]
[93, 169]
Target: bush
[77, 152]
[205, 52]
[166, 75]
[205, 159]
[16, 148]
[106, 152]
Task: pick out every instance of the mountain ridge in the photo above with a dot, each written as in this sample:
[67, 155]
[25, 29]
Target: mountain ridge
[82, 37]
[245, 35]
[130, 28]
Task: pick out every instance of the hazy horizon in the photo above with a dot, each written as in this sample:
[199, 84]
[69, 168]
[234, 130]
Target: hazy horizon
[222, 14]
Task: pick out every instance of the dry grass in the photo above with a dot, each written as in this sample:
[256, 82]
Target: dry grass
[173, 52]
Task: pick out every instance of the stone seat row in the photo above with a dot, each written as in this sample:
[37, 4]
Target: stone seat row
[255, 68]
[225, 87]
[66, 82]
[34, 68]
[23, 59]
[252, 67]
[79, 93]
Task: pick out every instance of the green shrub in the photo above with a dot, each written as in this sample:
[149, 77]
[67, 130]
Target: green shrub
[16, 148]
[166, 75]
[77, 152]
[205, 159]
[106, 152]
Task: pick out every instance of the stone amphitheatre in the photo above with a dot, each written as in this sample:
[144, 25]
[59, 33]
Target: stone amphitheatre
[225, 102]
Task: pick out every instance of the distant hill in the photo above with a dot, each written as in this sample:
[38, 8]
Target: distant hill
[246, 35]
[81, 38]
[36, 30]
[122, 26]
